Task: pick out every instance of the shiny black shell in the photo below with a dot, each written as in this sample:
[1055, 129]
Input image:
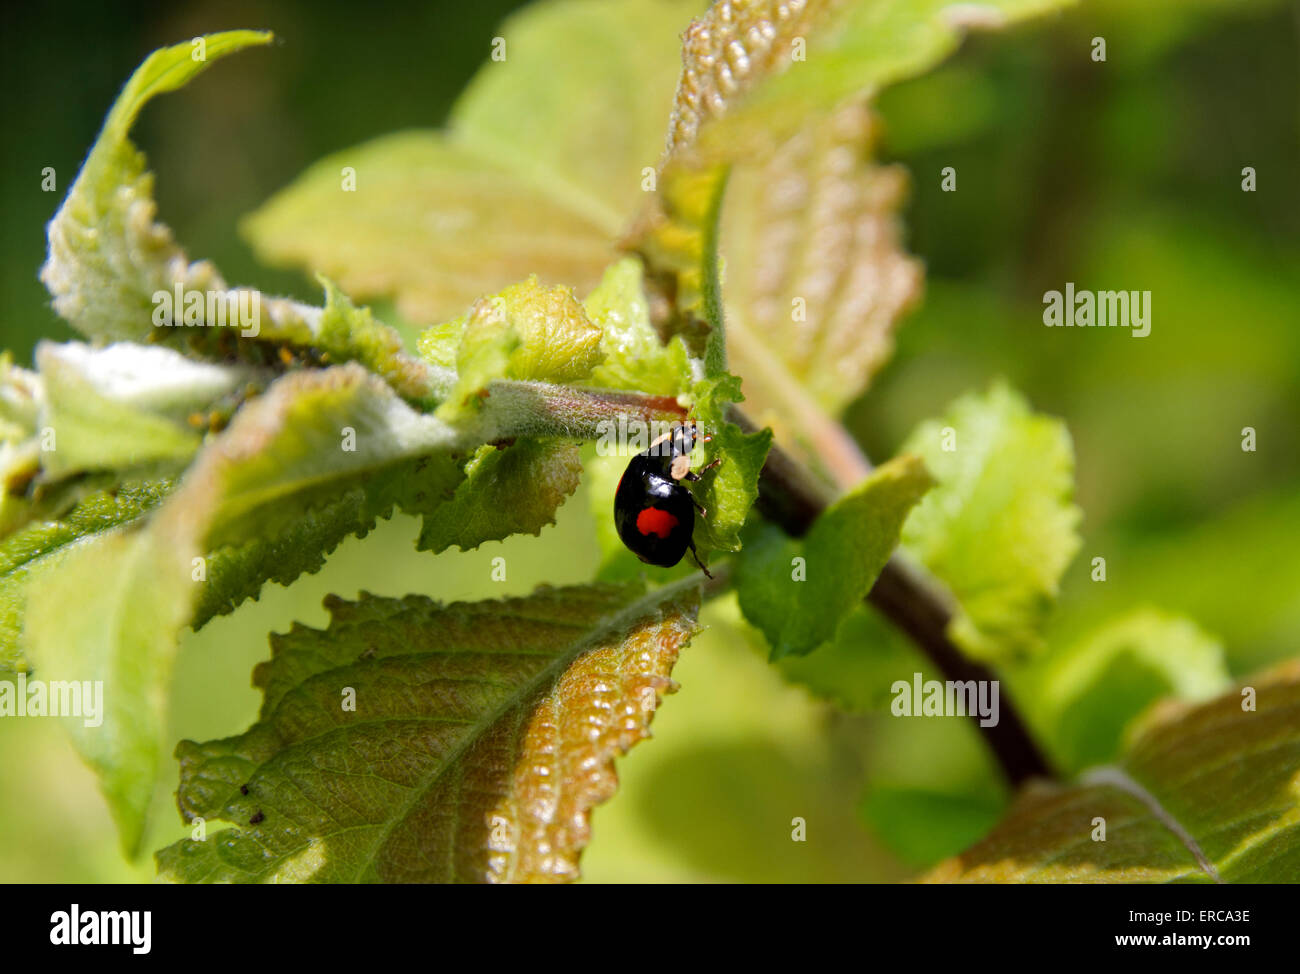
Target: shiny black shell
[653, 513]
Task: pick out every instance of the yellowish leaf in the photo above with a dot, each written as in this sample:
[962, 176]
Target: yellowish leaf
[1207, 792]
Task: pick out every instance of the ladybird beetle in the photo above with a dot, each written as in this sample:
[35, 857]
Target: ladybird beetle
[654, 511]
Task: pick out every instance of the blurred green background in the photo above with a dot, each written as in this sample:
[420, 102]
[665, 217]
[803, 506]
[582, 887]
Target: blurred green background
[1125, 174]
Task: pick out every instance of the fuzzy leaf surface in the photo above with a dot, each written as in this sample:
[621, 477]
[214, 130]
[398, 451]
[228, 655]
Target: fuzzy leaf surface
[482, 736]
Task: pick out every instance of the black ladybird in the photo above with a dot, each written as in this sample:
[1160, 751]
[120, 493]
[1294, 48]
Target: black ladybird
[654, 511]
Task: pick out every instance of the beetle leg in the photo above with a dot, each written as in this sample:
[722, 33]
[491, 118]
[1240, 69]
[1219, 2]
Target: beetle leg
[696, 555]
[695, 474]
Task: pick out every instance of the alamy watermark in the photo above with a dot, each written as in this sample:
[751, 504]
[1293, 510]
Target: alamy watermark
[627, 437]
[1098, 309]
[57, 698]
[179, 308]
[955, 698]
[130, 928]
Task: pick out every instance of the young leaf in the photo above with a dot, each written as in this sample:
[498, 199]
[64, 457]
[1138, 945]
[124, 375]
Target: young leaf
[540, 168]
[22, 396]
[128, 407]
[237, 571]
[924, 826]
[107, 257]
[527, 332]
[817, 278]
[320, 455]
[1206, 793]
[1087, 693]
[29, 554]
[756, 70]
[279, 459]
[416, 742]
[728, 491]
[635, 358]
[799, 591]
[507, 490]
[20, 401]
[131, 590]
[681, 237]
[857, 669]
[312, 434]
[113, 271]
[1000, 528]
[96, 418]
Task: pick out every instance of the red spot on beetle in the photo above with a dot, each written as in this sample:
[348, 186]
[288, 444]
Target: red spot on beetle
[654, 521]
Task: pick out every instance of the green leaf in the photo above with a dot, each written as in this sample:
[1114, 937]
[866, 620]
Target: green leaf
[857, 669]
[346, 333]
[311, 434]
[22, 395]
[507, 490]
[1090, 691]
[28, 555]
[128, 407]
[728, 491]
[320, 455]
[1000, 528]
[278, 459]
[480, 738]
[635, 358]
[237, 571]
[527, 332]
[799, 591]
[1205, 792]
[1265, 575]
[745, 88]
[131, 591]
[107, 257]
[924, 826]
[540, 168]
[20, 401]
[817, 278]
[114, 272]
[96, 418]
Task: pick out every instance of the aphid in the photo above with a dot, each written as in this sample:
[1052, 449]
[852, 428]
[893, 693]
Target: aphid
[257, 817]
[654, 511]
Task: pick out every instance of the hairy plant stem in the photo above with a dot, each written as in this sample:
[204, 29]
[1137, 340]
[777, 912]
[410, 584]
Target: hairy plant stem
[791, 497]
